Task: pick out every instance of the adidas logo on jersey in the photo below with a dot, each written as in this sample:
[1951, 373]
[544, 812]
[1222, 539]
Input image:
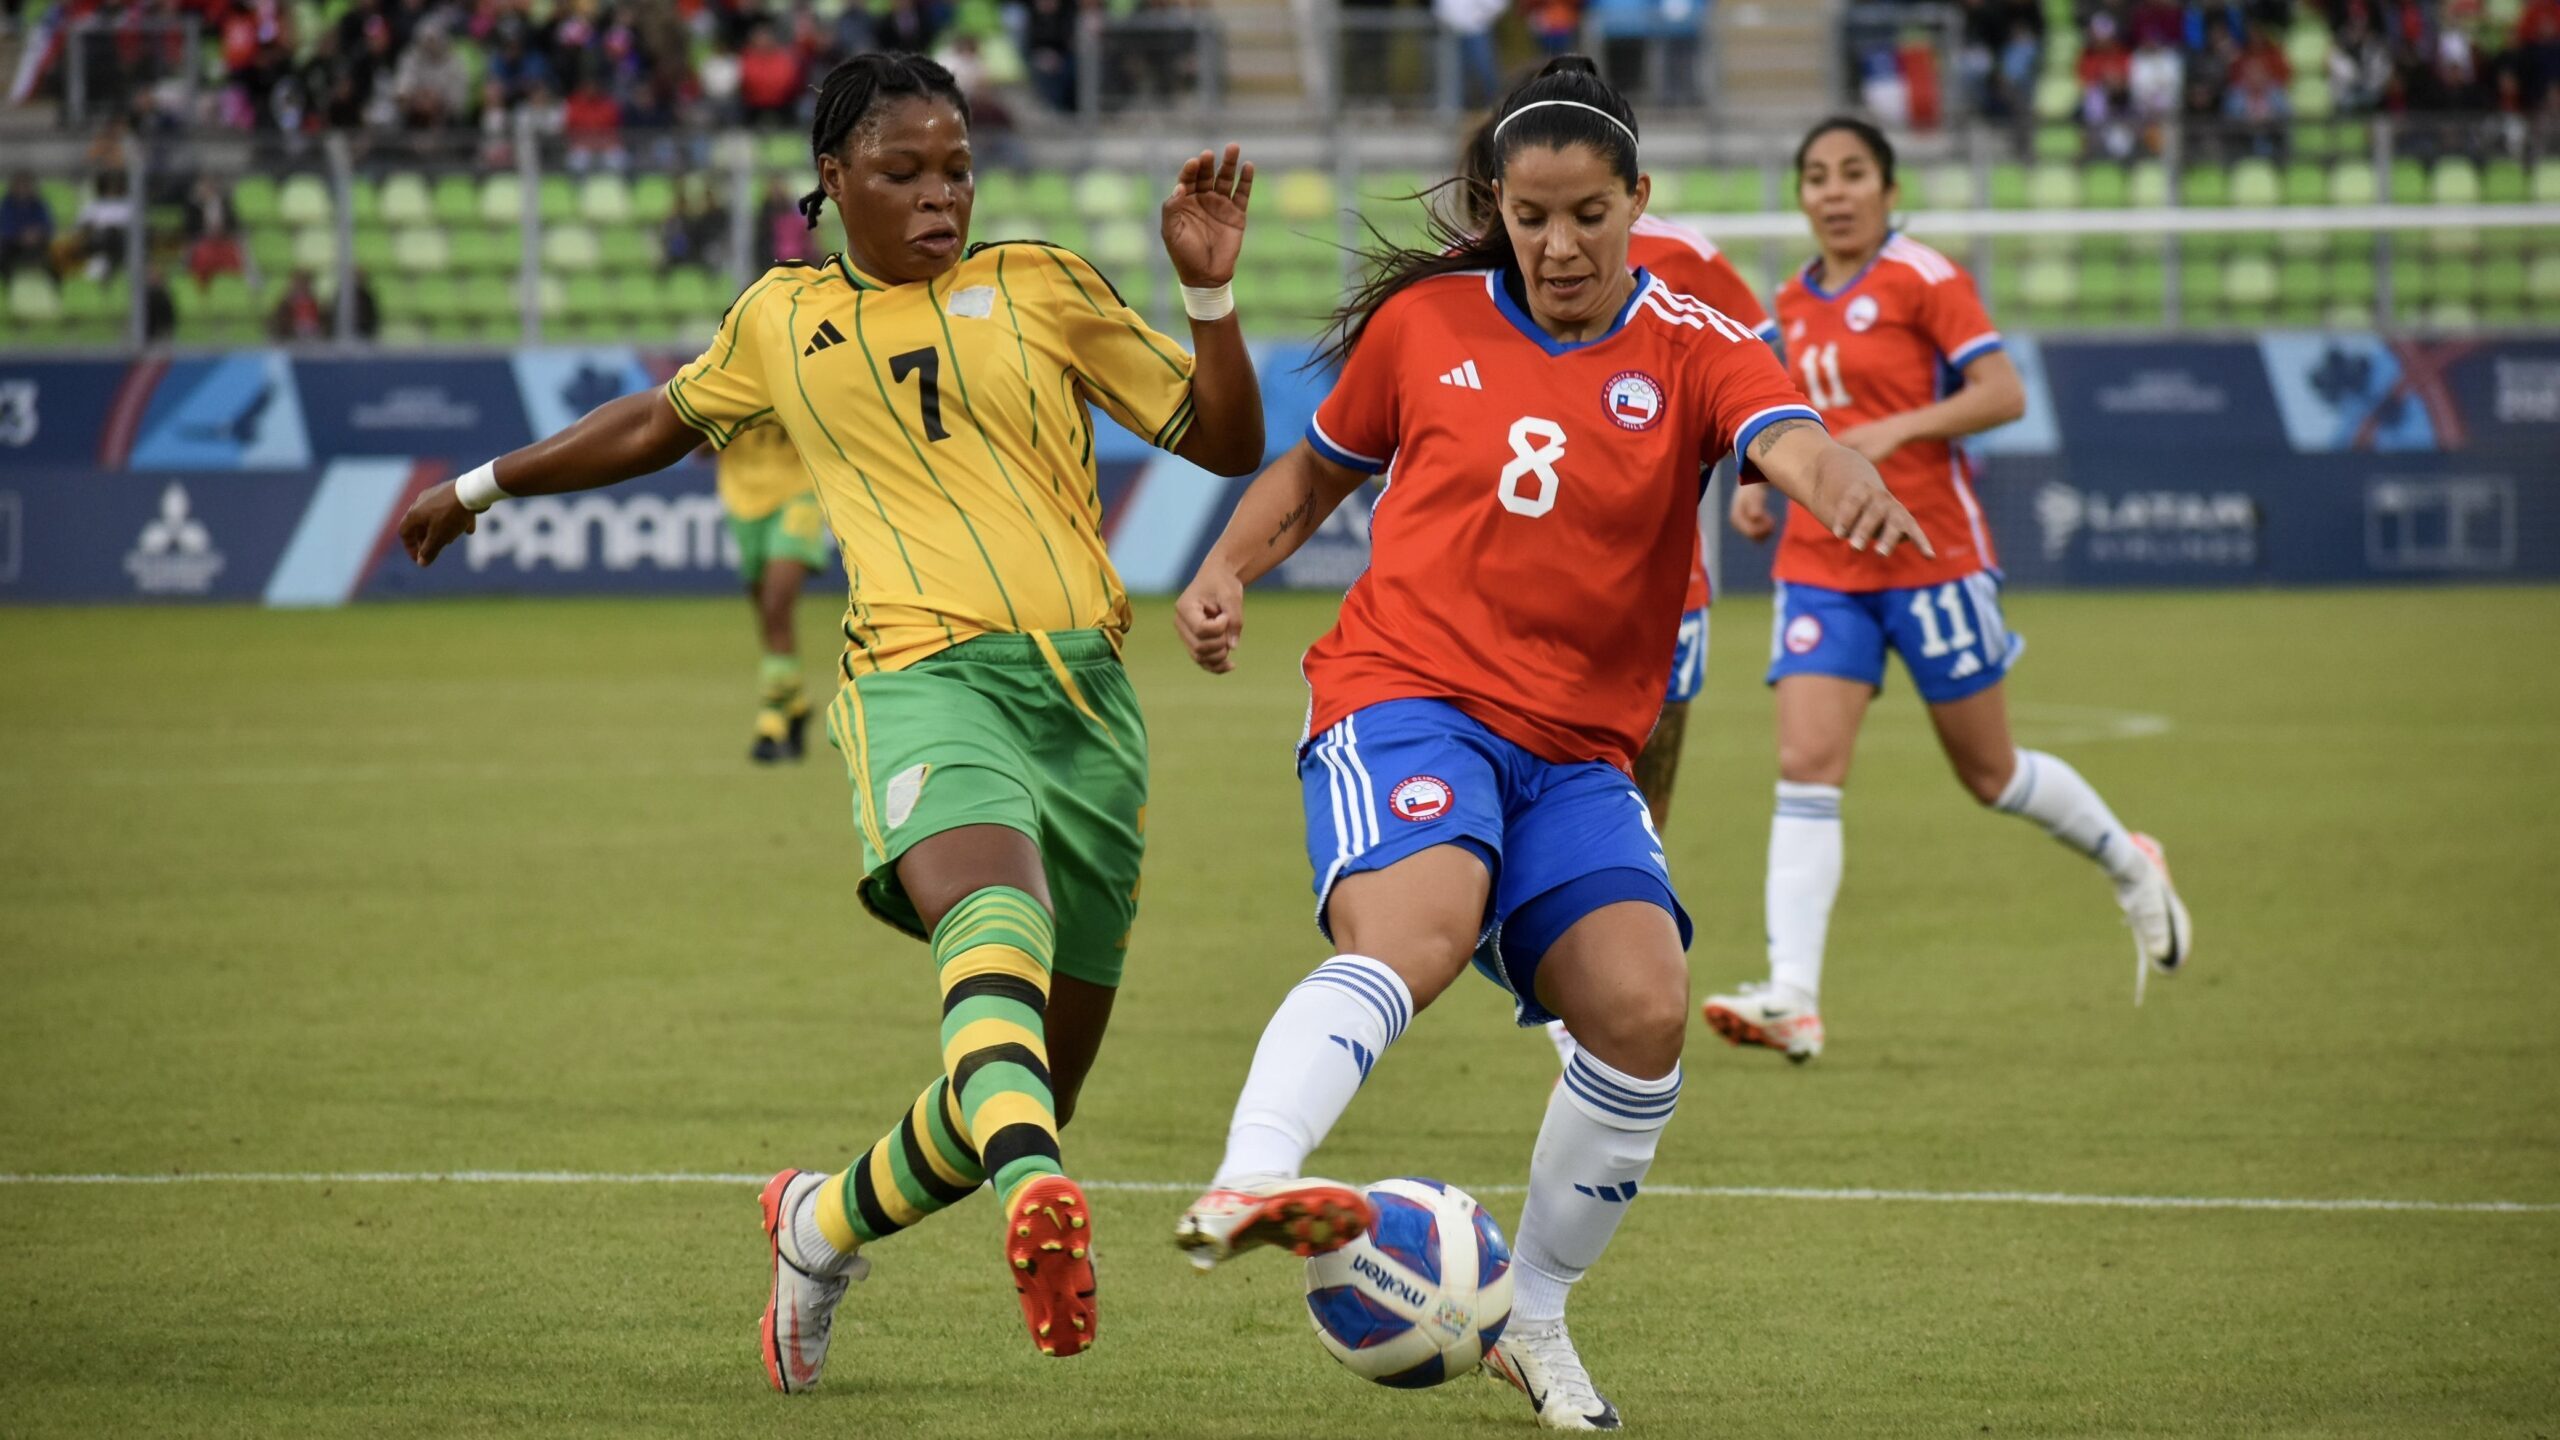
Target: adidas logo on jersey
[1464, 377]
[827, 335]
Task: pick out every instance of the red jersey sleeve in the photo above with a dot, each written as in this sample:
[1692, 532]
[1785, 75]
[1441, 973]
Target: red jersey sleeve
[1952, 314]
[1691, 264]
[1356, 426]
[1744, 388]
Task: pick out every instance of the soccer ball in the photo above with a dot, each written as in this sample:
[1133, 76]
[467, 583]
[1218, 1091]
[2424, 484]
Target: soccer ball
[1422, 1296]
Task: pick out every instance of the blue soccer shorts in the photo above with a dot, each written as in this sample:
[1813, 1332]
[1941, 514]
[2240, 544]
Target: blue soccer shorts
[1689, 660]
[1951, 637]
[1396, 778]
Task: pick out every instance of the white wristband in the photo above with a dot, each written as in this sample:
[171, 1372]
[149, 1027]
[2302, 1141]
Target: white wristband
[479, 490]
[1215, 302]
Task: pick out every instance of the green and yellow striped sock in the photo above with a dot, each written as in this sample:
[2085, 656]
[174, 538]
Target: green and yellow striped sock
[993, 950]
[778, 685]
[924, 1164]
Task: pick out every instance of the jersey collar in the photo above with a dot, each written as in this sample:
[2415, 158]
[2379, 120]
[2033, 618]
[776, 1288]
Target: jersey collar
[858, 280]
[1520, 318]
[1812, 276]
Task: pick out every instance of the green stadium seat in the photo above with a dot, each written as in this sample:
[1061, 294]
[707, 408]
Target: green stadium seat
[2309, 97]
[2306, 45]
[625, 247]
[503, 329]
[405, 200]
[2352, 182]
[2453, 277]
[455, 200]
[501, 200]
[556, 200]
[1063, 230]
[605, 200]
[228, 297]
[2058, 142]
[2008, 189]
[2105, 186]
[2207, 186]
[2101, 288]
[2503, 182]
[2301, 281]
[2305, 184]
[2050, 283]
[254, 200]
[1121, 246]
[315, 248]
[2250, 281]
[2150, 185]
[304, 200]
[1046, 196]
[690, 292]
[2412, 283]
[488, 297]
[364, 198]
[2502, 281]
[421, 249]
[374, 249]
[478, 252]
[550, 296]
[438, 297]
[638, 296]
[2254, 185]
[783, 151]
[1305, 196]
[2057, 96]
[1104, 194]
[2316, 142]
[1948, 186]
[2546, 180]
[2455, 181]
[2452, 315]
[571, 248]
[2054, 187]
[2146, 290]
[33, 300]
[2349, 315]
[2408, 183]
[1138, 288]
[270, 248]
[653, 199]
[585, 294]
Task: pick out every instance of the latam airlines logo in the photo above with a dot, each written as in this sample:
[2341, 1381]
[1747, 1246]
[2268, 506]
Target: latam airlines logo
[174, 554]
[2152, 527]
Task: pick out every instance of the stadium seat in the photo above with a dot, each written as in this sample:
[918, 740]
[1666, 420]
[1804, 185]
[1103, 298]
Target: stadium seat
[1742, 190]
[2008, 187]
[2058, 142]
[2411, 282]
[421, 249]
[405, 201]
[2408, 183]
[2309, 97]
[638, 295]
[626, 247]
[2504, 183]
[502, 200]
[488, 297]
[583, 295]
[690, 292]
[2204, 185]
[304, 200]
[2150, 185]
[2455, 181]
[1046, 196]
[2254, 185]
[2105, 186]
[2057, 96]
[2352, 182]
[255, 202]
[2446, 315]
[2502, 281]
[2546, 180]
[783, 151]
[2050, 284]
[33, 300]
[2249, 281]
[571, 248]
[2453, 277]
[653, 199]
[478, 251]
[455, 200]
[1305, 196]
[228, 297]
[438, 297]
[364, 200]
[315, 248]
[2301, 281]
[1000, 191]
[270, 248]
[1121, 246]
[1105, 194]
[2054, 187]
[1949, 186]
[605, 200]
[2146, 291]
[556, 200]
[2305, 184]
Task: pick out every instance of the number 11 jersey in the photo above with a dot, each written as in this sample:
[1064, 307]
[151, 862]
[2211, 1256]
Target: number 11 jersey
[1528, 561]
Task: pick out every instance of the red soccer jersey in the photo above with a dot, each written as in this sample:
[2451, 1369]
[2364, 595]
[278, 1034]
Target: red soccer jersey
[1527, 561]
[1690, 263]
[1895, 338]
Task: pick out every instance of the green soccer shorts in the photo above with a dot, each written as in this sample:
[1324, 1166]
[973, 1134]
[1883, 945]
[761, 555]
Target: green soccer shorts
[1040, 733]
[797, 531]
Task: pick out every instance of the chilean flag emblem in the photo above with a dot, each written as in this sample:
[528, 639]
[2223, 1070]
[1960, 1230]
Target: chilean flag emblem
[1633, 400]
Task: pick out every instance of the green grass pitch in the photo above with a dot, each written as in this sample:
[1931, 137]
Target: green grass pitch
[491, 887]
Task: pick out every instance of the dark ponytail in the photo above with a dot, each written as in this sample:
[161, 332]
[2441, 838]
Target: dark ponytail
[1879, 148]
[1466, 232]
[846, 97]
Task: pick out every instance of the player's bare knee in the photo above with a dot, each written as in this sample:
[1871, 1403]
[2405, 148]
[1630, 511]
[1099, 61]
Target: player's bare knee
[1641, 1035]
[1986, 778]
[1812, 762]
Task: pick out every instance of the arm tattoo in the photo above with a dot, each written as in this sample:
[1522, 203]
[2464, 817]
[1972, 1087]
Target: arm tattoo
[1289, 522]
[1768, 439]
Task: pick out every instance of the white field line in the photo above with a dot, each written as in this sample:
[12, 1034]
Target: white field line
[1193, 1187]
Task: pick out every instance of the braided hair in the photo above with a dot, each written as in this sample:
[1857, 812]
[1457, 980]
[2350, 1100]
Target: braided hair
[1563, 105]
[847, 96]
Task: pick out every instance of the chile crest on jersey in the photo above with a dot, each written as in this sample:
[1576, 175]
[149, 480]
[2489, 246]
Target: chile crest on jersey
[1633, 400]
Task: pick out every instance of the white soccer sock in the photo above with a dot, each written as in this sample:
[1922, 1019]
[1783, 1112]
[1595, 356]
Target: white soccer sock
[2053, 795]
[1602, 1128]
[1806, 856]
[1563, 1040]
[1314, 1054]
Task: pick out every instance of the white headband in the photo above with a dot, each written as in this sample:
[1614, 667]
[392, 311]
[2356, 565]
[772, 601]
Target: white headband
[1576, 104]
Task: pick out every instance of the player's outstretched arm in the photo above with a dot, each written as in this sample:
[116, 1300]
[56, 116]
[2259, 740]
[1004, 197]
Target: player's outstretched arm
[1204, 223]
[1288, 503]
[617, 441]
[1838, 485]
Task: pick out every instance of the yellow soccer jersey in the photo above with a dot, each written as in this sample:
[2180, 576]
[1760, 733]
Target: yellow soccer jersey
[760, 473]
[945, 424]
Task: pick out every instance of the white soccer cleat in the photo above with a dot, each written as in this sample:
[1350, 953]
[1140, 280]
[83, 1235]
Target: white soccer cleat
[1303, 1217]
[2163, 936]
[802, 1309]
[1757, 1015]
[1539, 1361]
